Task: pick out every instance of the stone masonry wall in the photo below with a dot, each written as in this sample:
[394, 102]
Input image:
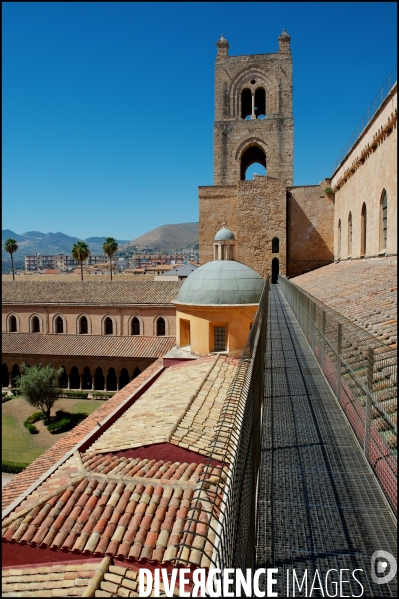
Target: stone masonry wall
[261, 215]
[217, 205]
[369, 168]
[310, 228]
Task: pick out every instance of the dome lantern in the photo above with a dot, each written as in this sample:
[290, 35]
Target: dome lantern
[224, 244]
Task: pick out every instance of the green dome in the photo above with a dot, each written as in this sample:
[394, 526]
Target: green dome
[222, 282]
[224, 234]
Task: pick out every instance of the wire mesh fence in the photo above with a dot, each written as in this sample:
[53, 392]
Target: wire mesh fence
[362, 372]
[226, 496]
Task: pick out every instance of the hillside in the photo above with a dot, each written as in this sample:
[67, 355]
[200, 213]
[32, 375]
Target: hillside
[45, 243]
[167, 238]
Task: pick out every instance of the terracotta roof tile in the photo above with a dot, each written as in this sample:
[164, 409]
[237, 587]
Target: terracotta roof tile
[40, 466]
[132, 517]
[102, 292]
[48, 581]
[182, 406]
[112, 346]
[364, 291]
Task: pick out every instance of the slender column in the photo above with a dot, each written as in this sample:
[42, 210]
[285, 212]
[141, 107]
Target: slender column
[10, 378]
[81, 382]
[219, 252]
[69, 381]
[117, 383]
[253, 115]
[93, 386]
[105, 382]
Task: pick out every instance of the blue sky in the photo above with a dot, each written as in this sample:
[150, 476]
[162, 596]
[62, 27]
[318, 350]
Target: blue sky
[108, 107]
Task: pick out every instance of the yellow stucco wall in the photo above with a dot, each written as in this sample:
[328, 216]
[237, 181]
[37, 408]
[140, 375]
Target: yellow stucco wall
[202, 320]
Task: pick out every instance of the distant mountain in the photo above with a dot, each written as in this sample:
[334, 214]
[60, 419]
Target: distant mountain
[167, 238]
[33, 242]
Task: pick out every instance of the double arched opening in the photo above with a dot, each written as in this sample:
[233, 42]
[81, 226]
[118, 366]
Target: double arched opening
[253, 103]
[35, 324]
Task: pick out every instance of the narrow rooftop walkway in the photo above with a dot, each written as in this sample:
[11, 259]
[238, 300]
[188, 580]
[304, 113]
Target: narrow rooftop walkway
[319, 506]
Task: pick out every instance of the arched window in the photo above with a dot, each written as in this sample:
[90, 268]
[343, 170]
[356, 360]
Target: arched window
[99, 379]
[252, 155]
[246, 103]
[35, 324]
[383, 221]
[13, 323]
[83, 326]
[59, 325]
[160, 327]
[275, 245]
[350, 235]
[363, 232]
[260, 103]
[339, 238]
[135, 326]
[136, 372]
[108, 326]
[87, 378]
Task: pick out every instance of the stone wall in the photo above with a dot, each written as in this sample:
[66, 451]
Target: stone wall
[121, 318]
[261, 215]
[369, 168]
[255, 211]
[310, 222]
[217, 205]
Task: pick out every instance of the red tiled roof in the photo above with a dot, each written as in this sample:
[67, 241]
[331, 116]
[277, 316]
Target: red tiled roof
[48, 459]
[364, 291]
[93, 292]
[110, 346]
[137, 515]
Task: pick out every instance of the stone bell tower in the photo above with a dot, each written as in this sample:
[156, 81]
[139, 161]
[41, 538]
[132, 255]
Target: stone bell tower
[253, 113]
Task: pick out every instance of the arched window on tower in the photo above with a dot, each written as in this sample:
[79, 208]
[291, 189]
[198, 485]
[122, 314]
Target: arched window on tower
[135, 326]
[13, 324]
[383, 221]
[246, 103]
[160, 327]
[254, 155]
[275, 245]
[339, 238]
[350, 235]
[260, 103]
[59, 325]
[108, 326]
[363, 232]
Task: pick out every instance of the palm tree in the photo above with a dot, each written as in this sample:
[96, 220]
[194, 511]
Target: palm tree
[80, 251]
[110, 246]
[10, 246]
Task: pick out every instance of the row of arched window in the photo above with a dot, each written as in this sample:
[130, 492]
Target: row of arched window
[83, 322]
[383, 232]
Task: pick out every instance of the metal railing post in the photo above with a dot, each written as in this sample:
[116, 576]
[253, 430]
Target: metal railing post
[323, 341]
[367, 421]
[339, 349]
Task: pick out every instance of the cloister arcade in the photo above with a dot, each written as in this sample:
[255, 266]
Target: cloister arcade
[89, 375]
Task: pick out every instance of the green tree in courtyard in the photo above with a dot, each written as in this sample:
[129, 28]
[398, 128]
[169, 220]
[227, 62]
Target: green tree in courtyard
[110, 246]
[40, 386]
[10, 246]
[80, 251]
